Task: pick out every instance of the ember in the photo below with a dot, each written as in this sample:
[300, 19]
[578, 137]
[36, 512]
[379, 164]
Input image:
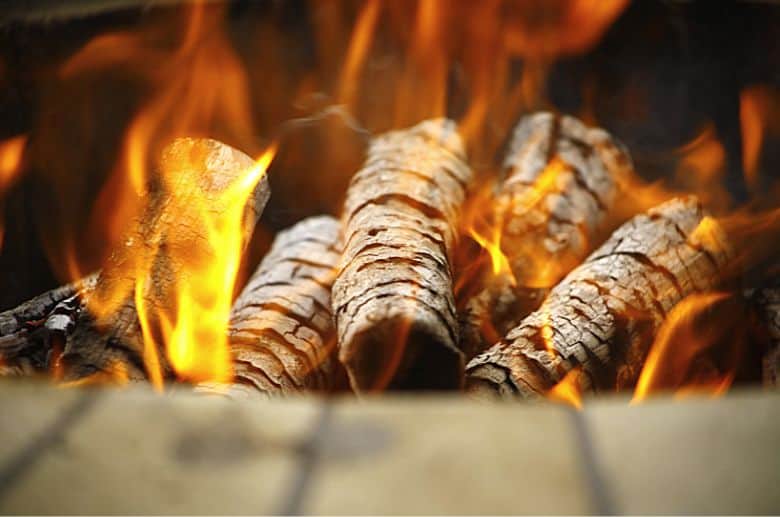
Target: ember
[567, 268]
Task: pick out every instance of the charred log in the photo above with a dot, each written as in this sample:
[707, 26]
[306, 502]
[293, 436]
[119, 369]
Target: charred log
[393, 301]
[281, 332]
[561, 181]
[604, 314]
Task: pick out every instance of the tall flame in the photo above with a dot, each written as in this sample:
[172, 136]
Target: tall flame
[675, 348]
[568, 390]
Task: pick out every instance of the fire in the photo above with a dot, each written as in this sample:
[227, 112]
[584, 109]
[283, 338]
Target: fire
[362, 36]
[11, 152]
[196, 341]
[492, 244]
[198, 88]
[550, 29]
[676, 347]
[701, 166]
[568, 390]
[759, 109]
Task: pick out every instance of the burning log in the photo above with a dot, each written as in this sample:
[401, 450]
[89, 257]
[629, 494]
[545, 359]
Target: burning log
[281, 332]
[100, 323]
[393, 302]
[26, 332]
[603, 315]
[562, 179]
[768, 302]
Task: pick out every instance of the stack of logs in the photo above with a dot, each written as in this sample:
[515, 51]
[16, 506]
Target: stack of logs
[367, 302]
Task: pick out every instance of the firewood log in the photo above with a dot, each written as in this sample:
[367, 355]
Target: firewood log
[99, 338]
[393, 301]
[26, 332]
[767, 301]
[561, 182]
[281, 330]
[604, 314]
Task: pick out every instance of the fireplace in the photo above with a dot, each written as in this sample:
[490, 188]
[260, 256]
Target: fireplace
[560, 217]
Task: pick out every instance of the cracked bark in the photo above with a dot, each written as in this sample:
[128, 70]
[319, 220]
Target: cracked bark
[767, 301]
[561, 181]
[191, 172]
[281, 332]
[392, 299]
[604, 314]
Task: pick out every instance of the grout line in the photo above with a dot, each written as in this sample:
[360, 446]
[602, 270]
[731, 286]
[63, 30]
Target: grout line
[601, 499]
[309, 454]
[15, 468]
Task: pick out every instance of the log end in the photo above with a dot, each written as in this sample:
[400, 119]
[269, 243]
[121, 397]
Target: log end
[399, 353]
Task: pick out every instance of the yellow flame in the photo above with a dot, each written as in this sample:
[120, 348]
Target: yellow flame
[675, 347]
[492, 244]
[568, 390]
[196, 337]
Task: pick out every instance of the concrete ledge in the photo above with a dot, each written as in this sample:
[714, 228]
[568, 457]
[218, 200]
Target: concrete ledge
[65, 451]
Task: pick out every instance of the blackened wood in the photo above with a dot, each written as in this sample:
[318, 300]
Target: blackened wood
[393, 301]
[281, 330]
[604, 314]
[767, 300]
[27, 331]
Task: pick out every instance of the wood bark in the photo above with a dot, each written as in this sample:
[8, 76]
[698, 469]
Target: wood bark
[281, 331]
[190, 172]
[767, 300]
[561, 181]
[602, 317]
[393, 301]
[27, 331]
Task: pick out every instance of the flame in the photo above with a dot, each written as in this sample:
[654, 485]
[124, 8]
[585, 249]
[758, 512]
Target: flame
[194, 332]
[568, 390]
[11, 152]
[492, 244]
[199, 88]
[676, 346]
[752, 124]
[701, 166]
[553, 28]
[362, 36]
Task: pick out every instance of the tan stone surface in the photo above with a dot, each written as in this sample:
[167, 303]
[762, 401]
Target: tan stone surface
[21, 423]
[702, 456]
[136, 452]
[447, 456]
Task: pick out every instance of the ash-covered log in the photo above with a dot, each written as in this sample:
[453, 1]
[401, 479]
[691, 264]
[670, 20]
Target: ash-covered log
[282, 338]
[98, 324]
[561, 182]
[393, 301]
[602, 317]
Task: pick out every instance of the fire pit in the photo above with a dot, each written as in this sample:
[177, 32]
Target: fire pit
[326, 203]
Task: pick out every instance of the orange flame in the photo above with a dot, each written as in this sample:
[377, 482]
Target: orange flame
[11, 152]
[362, 36]
[551, 28]
[568, 390]
[198, 88]
[677, 344]
[701, 166]
[492, 244]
